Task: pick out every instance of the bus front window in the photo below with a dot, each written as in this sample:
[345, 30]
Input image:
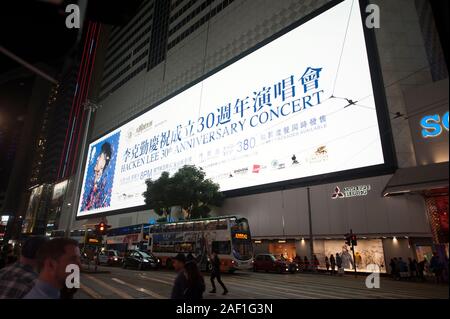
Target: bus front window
[241, 239]
[242, 249]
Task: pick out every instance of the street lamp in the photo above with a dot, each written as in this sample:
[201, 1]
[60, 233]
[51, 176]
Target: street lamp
[90, 107]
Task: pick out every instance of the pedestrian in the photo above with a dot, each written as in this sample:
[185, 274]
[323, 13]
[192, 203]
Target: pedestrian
[426, 266]
[195, 282]
[306, 263]
[316, 263]
[327, 264]
[421, 269]
[16, 280]
[2, 259]
[190, 257]
[301, 265]
[180, 284]
[412, 268]
[7, 256]
[393, 266]
[403, 268]
[339, 264]
[53, 258]
[215, 273]
[436, 268]
[332, 264]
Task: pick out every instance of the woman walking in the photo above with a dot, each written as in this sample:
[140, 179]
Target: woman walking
[195, 282]
[332, 264]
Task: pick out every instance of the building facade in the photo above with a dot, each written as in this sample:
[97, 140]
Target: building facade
[170, 44]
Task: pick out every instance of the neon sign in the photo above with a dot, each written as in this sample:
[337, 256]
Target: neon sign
[240, 236]
[434, 125]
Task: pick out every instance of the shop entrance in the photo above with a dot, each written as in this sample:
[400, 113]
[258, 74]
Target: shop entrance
[287, 250]
[423, 252]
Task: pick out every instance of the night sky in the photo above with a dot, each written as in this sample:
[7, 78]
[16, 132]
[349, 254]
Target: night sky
[35, 31]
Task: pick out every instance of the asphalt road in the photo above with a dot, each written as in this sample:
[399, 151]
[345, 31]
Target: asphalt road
[118, 283]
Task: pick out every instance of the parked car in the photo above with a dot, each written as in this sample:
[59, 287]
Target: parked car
[141, 260]
[109, 257]
[268, 262]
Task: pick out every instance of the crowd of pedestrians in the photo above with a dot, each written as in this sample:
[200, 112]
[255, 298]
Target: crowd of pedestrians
[333, 265]
[414, 270]
[40, 271]
[189, 283]
[399, 268]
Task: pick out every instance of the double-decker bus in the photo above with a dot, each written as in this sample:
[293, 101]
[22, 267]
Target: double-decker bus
[85, 237]
[229, 236]
[56, 233]
[127, 238]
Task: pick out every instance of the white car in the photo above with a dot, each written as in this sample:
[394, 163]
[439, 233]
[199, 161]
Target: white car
[109, 257]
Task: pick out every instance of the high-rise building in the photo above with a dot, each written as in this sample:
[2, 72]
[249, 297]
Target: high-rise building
[170, 46]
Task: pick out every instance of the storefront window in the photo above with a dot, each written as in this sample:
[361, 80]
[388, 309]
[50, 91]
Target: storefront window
[367, 252]
[287, 250]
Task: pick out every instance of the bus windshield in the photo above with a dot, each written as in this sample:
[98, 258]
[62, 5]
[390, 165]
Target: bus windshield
[241, 239]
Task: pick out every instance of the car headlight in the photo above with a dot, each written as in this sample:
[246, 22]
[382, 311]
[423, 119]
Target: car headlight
[145, 260]
[116, 259]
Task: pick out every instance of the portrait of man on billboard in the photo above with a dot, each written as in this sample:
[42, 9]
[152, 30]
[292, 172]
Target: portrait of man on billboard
[100, 174]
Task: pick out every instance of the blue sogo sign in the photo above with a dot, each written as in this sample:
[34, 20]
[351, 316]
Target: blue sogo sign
[434, 125]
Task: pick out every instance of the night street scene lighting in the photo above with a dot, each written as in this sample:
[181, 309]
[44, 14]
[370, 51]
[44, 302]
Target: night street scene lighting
[224, 158]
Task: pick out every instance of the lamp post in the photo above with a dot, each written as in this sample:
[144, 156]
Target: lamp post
[311, 239]
[90, 107]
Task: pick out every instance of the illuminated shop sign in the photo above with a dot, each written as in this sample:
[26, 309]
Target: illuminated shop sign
[434, 125]
[240, 236]
[351, 191]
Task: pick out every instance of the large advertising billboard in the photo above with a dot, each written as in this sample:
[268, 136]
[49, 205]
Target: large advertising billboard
[283, 112]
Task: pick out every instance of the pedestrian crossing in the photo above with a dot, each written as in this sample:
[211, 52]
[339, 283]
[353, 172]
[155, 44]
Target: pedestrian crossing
[130, 284]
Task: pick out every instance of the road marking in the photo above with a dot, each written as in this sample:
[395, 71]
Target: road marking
[266, 288]
[157, 280]
[143, 290]
[118, 292]
[345, 287]
[90, 292]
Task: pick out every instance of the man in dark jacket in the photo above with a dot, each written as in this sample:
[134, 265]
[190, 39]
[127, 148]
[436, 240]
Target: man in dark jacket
[18, 279]
[215, 273]
[180, 284]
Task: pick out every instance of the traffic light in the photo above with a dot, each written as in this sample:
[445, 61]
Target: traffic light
[101, 228]
[354, 241]
[348, 239]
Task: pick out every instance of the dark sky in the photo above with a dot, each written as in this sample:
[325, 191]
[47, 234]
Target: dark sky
[35, 31]
[13, 102]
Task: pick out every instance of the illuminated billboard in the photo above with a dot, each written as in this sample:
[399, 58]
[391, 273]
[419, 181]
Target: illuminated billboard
[283, 112]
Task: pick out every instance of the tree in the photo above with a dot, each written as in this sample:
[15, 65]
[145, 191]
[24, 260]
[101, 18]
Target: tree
[195, 194]
[187, 188]
[158, 195]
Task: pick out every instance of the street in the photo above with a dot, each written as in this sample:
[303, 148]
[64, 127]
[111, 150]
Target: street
[118, 283]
